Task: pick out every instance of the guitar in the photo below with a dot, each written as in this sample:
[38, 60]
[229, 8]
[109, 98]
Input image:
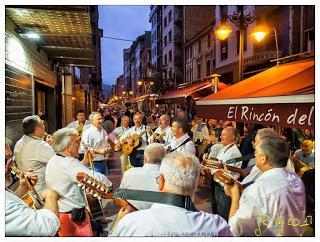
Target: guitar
[131, 143]
[225, 178]
[99, 190]
[31, 198]
[115, 146]
[210, 163]
[159, 138]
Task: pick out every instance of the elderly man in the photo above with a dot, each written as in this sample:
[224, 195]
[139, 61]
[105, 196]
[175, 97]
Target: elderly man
[144, 178]
[181, 141]
[20, 220]
[136, 157]
[274, 200]
[96, 138]
[61, 176]
[31, 151]
[220, 203]
[303, 158]
[115, 136]
[163, 134]
[179, 173]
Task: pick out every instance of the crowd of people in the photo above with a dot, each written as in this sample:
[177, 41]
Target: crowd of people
[261, 178]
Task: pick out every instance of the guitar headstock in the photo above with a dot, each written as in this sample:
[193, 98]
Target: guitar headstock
[223, 177]
[16, 171]
[93, 187]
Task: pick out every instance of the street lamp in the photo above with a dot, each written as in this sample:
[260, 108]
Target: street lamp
[261, 31]
[241, 21]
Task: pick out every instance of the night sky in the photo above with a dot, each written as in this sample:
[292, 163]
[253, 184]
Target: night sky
[124, 22]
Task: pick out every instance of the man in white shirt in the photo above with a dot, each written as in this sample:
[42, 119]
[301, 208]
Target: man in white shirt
[179, 173]
[269, 206]
[115, 136]
[144, 178]
[181, 141]
[200, 136]
[80, 124]
[136, 157]
[163, 134]
[31, 151]
[61, 173]
[220, 203]
[96, 138]
[20, 220]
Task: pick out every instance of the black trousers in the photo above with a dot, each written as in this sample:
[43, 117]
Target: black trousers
[220, 202]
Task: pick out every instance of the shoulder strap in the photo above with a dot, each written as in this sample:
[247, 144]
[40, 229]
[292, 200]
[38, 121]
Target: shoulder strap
[183, 143]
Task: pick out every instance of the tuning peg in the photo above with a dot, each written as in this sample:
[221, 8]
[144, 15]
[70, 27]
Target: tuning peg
[79, 185]
[87, 190]
[95, 195]
[93, 184]
[102, 189]
[83, 187]
[89, 182]
[98, 186]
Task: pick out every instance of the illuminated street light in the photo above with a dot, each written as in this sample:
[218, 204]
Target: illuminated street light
[223, 31]
[139, 83]
[259, 34]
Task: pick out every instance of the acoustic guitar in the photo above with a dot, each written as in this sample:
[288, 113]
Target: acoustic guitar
[133, 142]
[209, 164]
[115, 146]
[100, 190]
[31, 198]
[159, 138]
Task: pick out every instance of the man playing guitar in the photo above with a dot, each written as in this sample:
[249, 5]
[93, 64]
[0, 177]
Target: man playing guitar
[163, 134]
[137, 157]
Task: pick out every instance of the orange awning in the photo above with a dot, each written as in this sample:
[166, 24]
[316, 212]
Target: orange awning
[195, 90]
[282, 88]
[138, 99]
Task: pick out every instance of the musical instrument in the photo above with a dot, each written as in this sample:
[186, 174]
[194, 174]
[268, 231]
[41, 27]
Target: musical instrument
[31, 198]
[115, 146]
[223, 177]
[210, 163]
[99, 190]
[159, 138]
[80, 129]
[131, 143]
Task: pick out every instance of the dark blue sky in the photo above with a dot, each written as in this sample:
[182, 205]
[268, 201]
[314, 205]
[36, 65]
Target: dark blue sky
[125, 22]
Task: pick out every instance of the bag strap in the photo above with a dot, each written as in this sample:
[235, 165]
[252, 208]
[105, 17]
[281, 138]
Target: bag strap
[183, 143]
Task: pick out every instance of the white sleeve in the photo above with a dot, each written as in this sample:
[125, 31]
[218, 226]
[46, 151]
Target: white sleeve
[43, 151]
[190, 148]
[125, 135]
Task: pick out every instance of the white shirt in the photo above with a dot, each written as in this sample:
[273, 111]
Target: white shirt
[95, 138]
[256, 172]
[188, 147]
[277, 195]
[20, 220]
[203, 134]
[138, 131]
[228, 152]
[141, 178]
[215, 149]
[33, 153]
[166, 220]
[117, 132]
[167, 137]
[75, 124]
[61, 176]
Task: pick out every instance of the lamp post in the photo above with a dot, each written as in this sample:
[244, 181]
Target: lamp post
[259, 34]
[241, 21]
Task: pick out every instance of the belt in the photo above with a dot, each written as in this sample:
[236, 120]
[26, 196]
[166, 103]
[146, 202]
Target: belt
[99, 160]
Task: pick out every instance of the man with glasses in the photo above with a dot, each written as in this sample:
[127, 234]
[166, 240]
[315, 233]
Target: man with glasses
[96, 138]
[31, 151]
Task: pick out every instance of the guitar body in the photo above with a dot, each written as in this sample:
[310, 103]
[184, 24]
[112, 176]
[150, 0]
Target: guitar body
[27, 198]
[116, 147]
[130, 144]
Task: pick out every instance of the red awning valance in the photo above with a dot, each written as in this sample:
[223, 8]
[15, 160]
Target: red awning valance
[286, 92]
[195, 90]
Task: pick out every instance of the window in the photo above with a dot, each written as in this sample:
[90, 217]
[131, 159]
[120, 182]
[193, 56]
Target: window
[199, 70]
[170, 16]
[208, 68]
[170, 74]
[170, 55]
[191, 51]
[224, 49]
[199, 46]
[165, 59]
[209, 41]
[165, 22]
[308, 40]
[170, 36]
[165, 40]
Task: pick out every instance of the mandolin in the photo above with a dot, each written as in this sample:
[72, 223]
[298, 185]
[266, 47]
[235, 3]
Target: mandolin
[131, 143]
[31, 198]
[99, 190]
[223, 177]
